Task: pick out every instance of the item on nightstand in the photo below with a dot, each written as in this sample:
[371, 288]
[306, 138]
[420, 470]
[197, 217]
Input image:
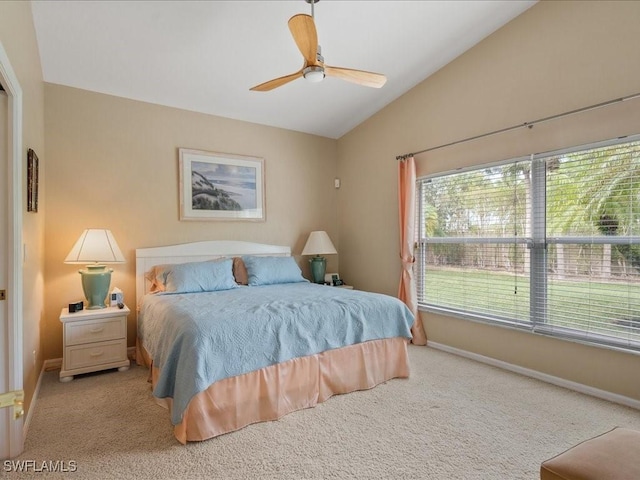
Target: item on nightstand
[328, 278]
[116, 297]
[318, 244]
[95, 248]
[76, 307]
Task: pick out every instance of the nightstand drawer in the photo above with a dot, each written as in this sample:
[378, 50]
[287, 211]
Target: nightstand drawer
[95, 354]
[88, 331]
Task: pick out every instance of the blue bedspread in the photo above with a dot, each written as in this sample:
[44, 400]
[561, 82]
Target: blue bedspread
[199, 338]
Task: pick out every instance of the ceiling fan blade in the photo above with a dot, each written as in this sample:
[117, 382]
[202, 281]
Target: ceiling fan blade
[276, 82]
[304, 33]
[368, 79]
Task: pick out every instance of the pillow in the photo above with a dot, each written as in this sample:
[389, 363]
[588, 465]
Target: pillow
[240, 271]
[158, 277]
[200, 277]
[272, 270]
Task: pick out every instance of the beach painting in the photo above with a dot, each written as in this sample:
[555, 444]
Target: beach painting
[218, 186]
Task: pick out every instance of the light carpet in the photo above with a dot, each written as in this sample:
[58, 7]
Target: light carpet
[452, 419]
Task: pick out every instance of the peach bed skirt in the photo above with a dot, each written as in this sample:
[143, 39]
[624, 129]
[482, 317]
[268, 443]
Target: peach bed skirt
[274, 391]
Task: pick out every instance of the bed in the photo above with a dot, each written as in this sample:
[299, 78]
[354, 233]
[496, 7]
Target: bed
[233, 335]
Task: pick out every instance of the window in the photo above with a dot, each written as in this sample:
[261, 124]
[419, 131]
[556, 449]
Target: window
[549, 243]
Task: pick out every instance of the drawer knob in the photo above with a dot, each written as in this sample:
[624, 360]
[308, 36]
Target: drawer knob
[97, 329]
[97, 354]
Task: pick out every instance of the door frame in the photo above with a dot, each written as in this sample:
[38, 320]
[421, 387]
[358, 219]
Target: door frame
[14, 245]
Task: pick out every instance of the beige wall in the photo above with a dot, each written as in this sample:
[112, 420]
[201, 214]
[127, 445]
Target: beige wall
[556, 57]
[113, 163]
[18, 38]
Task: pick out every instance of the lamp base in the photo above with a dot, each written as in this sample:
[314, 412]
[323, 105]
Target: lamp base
[318, 267]
[95, 284]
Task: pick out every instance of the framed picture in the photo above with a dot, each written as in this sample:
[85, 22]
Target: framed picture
[221, 186]
[32, 181]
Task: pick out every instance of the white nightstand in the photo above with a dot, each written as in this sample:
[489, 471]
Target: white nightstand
[94, 340]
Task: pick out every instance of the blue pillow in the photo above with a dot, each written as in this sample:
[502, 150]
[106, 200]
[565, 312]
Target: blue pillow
[272, 270]
[200, 277]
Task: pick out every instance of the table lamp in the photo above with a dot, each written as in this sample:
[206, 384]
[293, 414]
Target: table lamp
[318, 244]
[94, 248]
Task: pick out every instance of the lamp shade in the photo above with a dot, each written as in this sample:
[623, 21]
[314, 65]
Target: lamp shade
[95, 246]
[319, 243]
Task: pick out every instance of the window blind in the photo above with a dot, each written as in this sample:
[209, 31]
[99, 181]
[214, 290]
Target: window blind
[550, 243]
[593, 237]
[473, 242]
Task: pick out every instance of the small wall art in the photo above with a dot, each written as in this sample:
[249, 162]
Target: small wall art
[32, 181]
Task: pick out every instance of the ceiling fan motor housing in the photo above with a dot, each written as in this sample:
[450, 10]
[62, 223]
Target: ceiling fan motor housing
[313, 73]
[304, 33]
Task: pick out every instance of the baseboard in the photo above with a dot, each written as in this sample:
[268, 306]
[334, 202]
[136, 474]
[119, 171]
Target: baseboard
[52, 364]
[34, 399]
[32, 406]
[560, 382]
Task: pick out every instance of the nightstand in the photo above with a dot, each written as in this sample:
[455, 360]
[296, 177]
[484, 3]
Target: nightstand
[348, 287]
[94, 340]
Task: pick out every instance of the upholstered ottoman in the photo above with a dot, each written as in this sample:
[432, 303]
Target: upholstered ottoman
[614, 455]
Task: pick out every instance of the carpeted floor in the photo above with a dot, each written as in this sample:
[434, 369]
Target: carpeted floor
[453, 419]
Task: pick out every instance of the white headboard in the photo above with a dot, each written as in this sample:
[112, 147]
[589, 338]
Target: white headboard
[196, 252]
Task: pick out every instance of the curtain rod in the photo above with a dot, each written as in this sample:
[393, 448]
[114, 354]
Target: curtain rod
[525, 124]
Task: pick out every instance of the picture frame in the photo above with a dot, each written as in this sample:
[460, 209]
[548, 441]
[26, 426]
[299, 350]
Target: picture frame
[221, 186]
[32, 181]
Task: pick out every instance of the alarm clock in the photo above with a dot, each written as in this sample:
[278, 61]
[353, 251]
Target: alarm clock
[76, 307]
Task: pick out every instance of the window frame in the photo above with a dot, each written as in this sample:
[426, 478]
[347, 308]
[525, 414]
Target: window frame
[537, 243]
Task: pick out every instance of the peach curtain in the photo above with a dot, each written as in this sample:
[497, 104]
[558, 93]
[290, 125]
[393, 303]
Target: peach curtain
[407, 203]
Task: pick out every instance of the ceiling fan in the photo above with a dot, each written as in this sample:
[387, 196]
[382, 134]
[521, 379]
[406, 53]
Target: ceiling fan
[304, 34]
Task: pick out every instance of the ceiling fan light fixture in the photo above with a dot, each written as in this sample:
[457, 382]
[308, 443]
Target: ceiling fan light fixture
[313, 73]
[303, 30]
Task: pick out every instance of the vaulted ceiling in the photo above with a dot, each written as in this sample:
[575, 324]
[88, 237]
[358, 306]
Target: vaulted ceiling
[204, 56]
